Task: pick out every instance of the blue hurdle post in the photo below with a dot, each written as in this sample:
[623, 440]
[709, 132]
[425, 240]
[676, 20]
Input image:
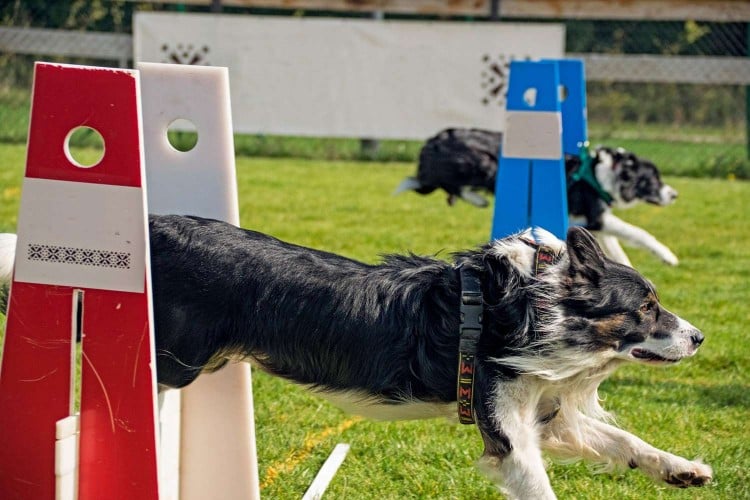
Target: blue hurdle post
[573, 105]
[531, 185]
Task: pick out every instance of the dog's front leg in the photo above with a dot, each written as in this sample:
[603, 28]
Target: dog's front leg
[581, 436]
[612, 248]
[636, 236]
[512, 456]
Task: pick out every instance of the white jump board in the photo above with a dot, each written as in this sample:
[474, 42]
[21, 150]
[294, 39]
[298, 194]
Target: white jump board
[81, 234]
[351, 78]
[533, 134]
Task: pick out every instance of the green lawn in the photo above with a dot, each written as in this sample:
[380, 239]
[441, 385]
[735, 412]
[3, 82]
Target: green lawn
[697, 409]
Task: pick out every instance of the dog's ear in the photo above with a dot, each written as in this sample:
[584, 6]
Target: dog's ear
[585, 254]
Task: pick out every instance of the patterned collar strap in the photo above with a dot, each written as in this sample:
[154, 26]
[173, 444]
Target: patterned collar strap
[544, 257]
[470, 330]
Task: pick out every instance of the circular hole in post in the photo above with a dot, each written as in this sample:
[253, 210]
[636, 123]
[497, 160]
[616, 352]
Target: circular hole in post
[529, 97]
[562, 93]
[84, 147]
[182, 135]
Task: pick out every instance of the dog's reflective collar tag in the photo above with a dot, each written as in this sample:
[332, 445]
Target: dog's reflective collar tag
[470, 330]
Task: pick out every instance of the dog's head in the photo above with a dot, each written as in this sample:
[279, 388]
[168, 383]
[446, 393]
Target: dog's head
[611, 310]
[630, 179]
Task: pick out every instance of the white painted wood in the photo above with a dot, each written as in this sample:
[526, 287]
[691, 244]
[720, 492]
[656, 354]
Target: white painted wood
[217, 458]
[67, 426]
[169, 444]
[326, 473]
[533, 134]
[65, 487]
[59, 214]
[66, 458]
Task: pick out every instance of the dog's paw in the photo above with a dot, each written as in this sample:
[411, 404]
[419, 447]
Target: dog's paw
[673, 470]
[671, 259]
[696, 474]
[666, 256]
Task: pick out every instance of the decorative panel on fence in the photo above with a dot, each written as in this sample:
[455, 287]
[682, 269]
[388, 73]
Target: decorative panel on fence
[351, 78]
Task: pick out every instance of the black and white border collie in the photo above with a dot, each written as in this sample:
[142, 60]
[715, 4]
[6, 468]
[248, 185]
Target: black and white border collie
[464, 161]
[383, 340]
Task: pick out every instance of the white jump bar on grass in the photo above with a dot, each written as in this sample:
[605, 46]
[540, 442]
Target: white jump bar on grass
[326, 473]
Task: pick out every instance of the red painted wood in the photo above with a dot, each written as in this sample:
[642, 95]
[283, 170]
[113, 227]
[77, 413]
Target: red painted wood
[34, 388]
[118, 428]
[117, 445]
[66, 97]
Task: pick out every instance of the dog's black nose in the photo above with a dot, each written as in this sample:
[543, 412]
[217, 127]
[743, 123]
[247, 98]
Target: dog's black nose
[697, 338]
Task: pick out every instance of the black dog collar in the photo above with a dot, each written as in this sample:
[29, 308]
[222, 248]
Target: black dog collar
[470, 330]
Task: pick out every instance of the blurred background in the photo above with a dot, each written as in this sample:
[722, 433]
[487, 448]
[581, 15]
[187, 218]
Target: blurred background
[668, 81]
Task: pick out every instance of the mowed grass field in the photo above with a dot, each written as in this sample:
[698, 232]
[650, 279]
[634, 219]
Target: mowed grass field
[700, 408]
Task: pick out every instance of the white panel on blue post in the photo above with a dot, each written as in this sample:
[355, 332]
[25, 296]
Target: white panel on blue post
[531, 188]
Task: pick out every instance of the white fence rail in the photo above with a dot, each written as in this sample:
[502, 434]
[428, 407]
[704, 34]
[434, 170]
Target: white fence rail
[599, 67]
[53, 42]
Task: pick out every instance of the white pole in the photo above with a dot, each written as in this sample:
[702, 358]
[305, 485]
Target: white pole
[326, 473]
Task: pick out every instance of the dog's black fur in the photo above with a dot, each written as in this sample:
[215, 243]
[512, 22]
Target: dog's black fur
[388, 333]
[308, 315]
[384, 339]
[459, 157]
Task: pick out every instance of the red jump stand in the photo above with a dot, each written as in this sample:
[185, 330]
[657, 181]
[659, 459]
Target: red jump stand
[82, 265]
[82, 243]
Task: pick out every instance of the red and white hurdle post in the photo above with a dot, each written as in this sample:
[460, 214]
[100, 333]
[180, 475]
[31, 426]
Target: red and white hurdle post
[82, 252]
[82, 242]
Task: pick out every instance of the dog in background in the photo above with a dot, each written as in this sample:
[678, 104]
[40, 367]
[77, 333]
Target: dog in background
[384, 340]
[463, 162]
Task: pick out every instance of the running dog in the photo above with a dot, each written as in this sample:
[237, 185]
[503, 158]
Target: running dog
[463, 162]
[515, 336]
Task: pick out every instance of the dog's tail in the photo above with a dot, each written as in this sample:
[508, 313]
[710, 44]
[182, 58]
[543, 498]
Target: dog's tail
[408, 184]
[7, 257]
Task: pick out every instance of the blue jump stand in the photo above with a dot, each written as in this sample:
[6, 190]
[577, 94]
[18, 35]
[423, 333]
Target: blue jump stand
[546, 118]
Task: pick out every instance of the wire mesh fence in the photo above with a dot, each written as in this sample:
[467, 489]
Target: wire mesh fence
[697, 128]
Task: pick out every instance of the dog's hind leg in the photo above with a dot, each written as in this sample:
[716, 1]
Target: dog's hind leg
[581, 436]
[408, 184]
[467, 194]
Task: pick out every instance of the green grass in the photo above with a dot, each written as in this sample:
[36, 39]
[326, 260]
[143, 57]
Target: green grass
[698, 408]
[685, 151]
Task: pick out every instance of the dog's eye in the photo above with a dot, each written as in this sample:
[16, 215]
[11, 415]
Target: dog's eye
[647, 307]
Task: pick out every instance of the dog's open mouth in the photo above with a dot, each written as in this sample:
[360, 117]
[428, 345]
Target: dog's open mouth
[645, 355]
